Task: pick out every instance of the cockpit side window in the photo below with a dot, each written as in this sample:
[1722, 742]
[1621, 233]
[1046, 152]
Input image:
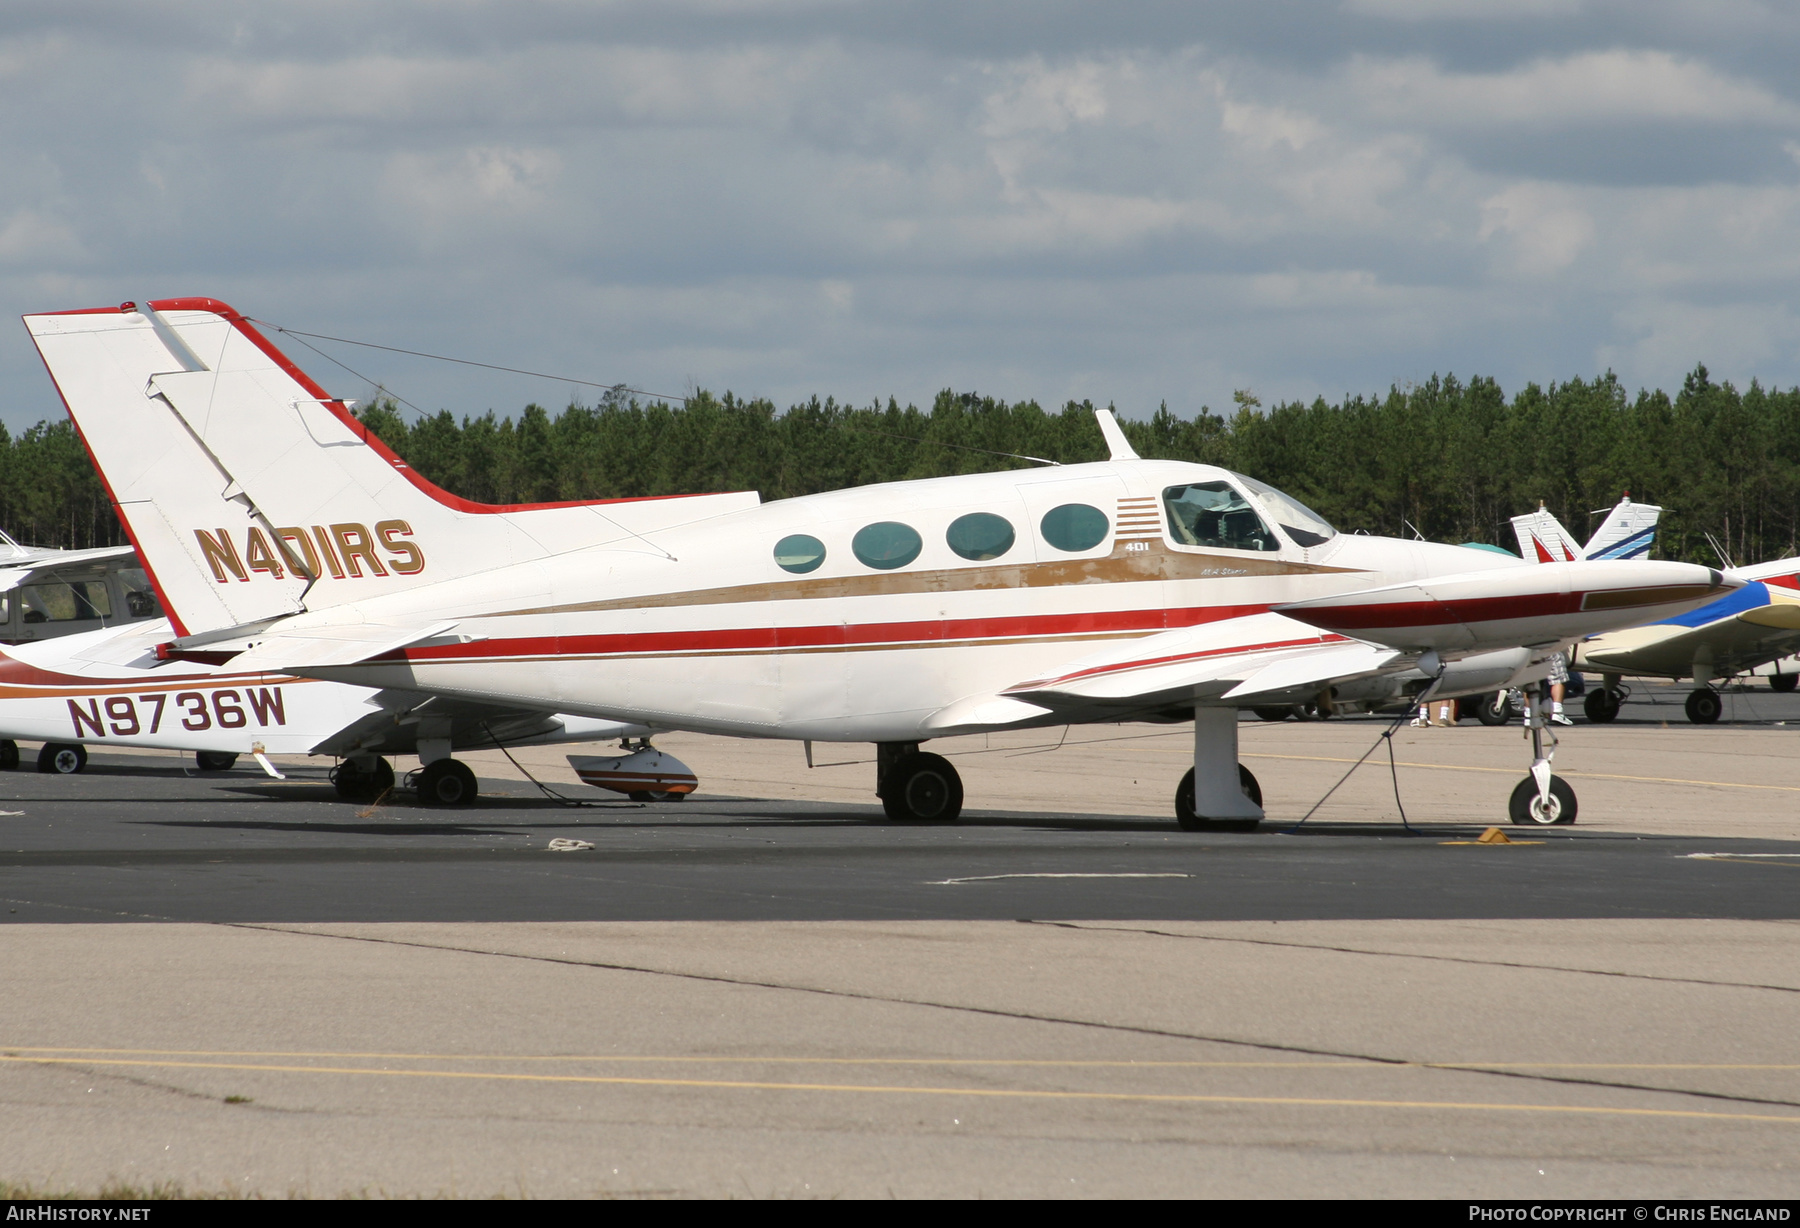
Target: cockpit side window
[1216, 515]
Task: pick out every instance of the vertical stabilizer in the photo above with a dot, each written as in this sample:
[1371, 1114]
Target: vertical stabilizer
[1543, 539]
[252, 494]
[1628, 532]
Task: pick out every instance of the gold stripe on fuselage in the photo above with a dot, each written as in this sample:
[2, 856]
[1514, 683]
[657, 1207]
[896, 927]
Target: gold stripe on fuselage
[1122, 566]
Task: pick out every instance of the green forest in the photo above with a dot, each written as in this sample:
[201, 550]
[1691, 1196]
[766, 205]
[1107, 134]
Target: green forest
[1447, 460]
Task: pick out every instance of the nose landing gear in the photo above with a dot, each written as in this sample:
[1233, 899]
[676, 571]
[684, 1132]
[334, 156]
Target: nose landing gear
[1541, 799]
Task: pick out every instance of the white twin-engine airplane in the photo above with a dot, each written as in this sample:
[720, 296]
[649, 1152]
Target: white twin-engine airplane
[280, 532]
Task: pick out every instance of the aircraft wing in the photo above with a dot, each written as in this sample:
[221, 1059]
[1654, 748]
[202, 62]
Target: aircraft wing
[1232, 659]
[1757, 624]
[23, 573]
[392, 729]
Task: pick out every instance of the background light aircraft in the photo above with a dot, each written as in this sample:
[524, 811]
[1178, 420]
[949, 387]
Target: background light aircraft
[1756, 625]
[110, 688]
[46, 592]
[1751, 627]
[285, 539]
[1628, 532]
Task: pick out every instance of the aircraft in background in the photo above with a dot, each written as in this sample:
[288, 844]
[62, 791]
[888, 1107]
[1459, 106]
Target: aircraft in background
[1754, 626]
[83, 626]
[46, 592]
[110, 688]
[285, 538]
[1628, 532]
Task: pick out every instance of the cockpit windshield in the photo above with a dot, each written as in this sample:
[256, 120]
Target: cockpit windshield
[1215, 514]
[1297, 520]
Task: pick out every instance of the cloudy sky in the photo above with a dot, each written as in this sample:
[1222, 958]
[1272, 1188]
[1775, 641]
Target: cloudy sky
[1130, 202]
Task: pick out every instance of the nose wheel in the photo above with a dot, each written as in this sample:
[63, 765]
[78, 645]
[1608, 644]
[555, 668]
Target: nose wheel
[1189, 821]
[1541, 799]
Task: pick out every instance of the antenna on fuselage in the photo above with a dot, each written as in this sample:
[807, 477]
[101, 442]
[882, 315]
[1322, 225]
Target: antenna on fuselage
[1116, 443]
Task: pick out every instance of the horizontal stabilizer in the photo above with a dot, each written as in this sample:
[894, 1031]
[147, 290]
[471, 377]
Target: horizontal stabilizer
[322, 647]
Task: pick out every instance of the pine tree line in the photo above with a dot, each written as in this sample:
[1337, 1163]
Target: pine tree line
[1447, 460]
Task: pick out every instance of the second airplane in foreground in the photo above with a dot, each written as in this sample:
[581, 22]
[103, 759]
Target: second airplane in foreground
[282, 535]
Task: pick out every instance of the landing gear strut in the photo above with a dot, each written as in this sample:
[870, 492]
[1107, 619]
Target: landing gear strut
[916, 787]
[1218, 793]
[1541, 799]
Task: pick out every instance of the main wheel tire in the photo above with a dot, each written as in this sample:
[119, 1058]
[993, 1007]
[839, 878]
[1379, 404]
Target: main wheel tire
[1527, 810]
[9, 755]
[1704, 706]
[355, 785]
[1187, 820]
[446, 783]
[62, 758]
[1273, 714]
[922, 788]
[214, 760]
[1783, 683]
[1494, 709]
[1601, 706]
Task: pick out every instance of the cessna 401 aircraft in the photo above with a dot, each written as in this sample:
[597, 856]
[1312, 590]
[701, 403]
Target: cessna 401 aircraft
[283, 537]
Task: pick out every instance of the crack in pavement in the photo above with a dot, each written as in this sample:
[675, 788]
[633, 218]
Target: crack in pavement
[1026, 1016]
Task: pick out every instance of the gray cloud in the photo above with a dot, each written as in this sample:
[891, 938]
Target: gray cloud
[1160, 201]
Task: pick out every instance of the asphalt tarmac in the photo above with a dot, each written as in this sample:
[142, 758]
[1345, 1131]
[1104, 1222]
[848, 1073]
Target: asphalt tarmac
[233, 985]
[133, 839]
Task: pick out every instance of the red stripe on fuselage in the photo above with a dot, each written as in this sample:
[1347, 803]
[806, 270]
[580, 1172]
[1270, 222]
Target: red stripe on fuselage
[830, 635]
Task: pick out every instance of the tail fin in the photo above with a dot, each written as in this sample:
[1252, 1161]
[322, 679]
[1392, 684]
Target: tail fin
[252, 494]
[1542, 537]
[1628, 532]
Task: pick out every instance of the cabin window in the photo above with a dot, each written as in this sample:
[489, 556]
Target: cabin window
[886, 544]
[84, 600]
[799, 553]
[140, 598]
[1215, 514]
[1074, 526]
[980, 536]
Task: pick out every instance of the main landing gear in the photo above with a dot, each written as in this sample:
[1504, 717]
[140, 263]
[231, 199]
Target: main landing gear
[367, 778]
[62, 758]
[914, 786]
[1704, 706]
[1218, 793]
[1541, 799]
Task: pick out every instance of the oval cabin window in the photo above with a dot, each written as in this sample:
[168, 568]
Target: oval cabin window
[1074, 526]
[887, 544]
[799, 553]
[980, 536]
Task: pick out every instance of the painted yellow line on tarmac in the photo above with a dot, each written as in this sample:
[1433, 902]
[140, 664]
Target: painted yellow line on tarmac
[984, 1093]
[1459, 767]
[14, 1051]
